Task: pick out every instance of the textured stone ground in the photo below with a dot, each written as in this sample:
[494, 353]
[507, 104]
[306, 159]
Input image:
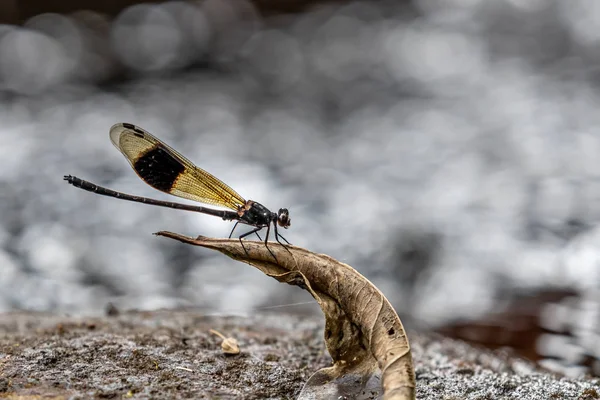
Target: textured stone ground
[170, 354]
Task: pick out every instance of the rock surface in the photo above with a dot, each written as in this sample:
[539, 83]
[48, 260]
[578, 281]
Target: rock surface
[171, 354]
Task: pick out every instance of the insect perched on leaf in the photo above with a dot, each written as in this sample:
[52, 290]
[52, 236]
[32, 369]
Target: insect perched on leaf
[166, 170]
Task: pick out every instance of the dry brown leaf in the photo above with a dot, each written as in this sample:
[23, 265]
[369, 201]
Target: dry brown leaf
[362, 330]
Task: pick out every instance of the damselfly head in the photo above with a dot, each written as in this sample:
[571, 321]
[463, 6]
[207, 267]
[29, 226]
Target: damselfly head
[283, 218]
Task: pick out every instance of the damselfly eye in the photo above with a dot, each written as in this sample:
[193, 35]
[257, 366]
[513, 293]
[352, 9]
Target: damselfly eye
[283, 218]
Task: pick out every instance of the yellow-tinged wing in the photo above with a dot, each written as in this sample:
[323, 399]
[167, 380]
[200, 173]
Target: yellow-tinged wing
[166, 170]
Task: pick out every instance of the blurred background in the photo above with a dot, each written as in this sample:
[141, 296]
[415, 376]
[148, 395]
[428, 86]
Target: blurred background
[448, 151]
